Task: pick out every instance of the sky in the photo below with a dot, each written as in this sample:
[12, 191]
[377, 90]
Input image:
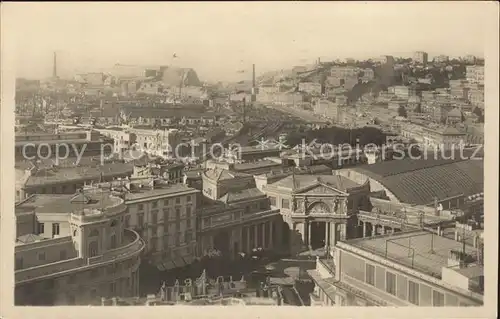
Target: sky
[218, 39]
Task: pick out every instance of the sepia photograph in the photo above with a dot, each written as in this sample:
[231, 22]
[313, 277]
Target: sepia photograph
[285, 154]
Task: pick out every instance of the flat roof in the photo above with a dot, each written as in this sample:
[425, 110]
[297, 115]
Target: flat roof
[164, 190]
[57, 175]
[63, 204]
[420, 250]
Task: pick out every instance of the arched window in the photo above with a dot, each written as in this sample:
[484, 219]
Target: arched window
[94, 233]
[93, 249]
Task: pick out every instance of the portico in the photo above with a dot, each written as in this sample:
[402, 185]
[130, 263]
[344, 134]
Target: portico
[318, 209]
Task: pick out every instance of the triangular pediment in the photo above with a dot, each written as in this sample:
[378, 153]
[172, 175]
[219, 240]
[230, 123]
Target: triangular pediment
[320, 189]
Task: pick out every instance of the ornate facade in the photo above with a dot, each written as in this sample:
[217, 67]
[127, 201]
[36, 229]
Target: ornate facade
[319, 210]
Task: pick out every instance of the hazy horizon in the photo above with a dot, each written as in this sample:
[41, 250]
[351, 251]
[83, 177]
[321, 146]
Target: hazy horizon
[218, 39]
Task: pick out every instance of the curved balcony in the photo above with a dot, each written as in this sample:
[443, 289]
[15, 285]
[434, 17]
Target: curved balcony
[132, 246]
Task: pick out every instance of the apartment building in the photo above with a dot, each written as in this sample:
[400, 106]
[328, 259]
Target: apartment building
[476, 96]
[409, 268]
[310, 87]
[70, 144]
[420, 57]
[75, 249]
[441, 58]
[157, 142]
[475, 74]
[402, 92]
[165, 217]
[122, 139]
[342, 72]
[443, 137]
[65, 180]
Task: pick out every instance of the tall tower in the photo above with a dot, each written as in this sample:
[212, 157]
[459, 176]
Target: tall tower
[54, 70]
[254, 89]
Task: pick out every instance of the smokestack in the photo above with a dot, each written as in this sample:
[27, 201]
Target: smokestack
[254, 90]
[253, 76]
[54, 70]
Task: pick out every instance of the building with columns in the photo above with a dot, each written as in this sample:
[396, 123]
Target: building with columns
[75, 249]
[235, 216]
[318, 210]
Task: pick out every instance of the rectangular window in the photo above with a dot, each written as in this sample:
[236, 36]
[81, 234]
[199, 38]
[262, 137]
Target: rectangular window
[177, 213]
[189, 237]
[178, 200]
[19, 263]
[390, 283]
[41, 256]
[140, 220]
[127, 221]
[40, 228]
[370, 274]
[188, 198]
[62, 255]
[140, 207]
[166, 202]
[188, 223]
[154, 204]
[166, 213]
[413, 291]
[437, 299]
[154, 218]
[177, 239]
[188, 212]
[178, 226]
[55, 229]
[285, 203]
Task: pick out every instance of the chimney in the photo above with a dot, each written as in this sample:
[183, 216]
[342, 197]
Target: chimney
[54, 70]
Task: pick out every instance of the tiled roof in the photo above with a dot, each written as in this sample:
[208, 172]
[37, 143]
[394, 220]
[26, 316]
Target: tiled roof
[223, 174]
[419, 181]
[241, 195]
[303, 181]
[29, 238]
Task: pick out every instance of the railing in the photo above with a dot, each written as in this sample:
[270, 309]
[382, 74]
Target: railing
[48, 269]
[135, 246]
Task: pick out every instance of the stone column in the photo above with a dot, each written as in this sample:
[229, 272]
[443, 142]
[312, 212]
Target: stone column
[271, 242]
[309, 224]
[256, 235]
[248, 240]
[475, 241]
[364, 229]
[327, 234]
[343, 231]
[333, 234]
[382, 230]
[392, 230]
[374, 230]
[263, 226]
